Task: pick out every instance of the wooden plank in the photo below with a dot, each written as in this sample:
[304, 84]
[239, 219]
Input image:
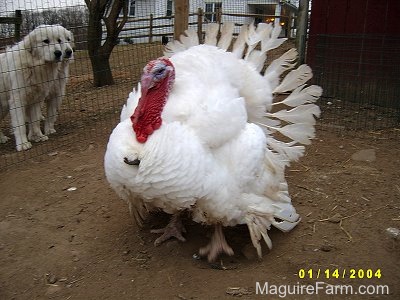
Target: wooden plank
[181, 17]
[8, 20]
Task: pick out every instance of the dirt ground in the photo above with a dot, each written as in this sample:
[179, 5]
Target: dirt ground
[64, 234]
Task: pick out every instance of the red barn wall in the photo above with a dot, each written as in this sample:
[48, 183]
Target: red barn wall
[354, 45]
[352, 17]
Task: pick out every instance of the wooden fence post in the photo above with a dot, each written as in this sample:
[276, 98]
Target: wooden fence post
[219, 15]
[200, 24]
[301, 30]
[181, 17]
[151, 29]
[18, 22]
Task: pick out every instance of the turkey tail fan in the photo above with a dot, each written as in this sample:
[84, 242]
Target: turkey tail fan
[265, 35]
[297, 120]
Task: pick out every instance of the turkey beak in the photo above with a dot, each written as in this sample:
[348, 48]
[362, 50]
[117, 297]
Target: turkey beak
[147, 83]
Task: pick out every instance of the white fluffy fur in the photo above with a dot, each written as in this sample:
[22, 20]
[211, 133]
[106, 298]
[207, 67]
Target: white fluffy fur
[34, 71]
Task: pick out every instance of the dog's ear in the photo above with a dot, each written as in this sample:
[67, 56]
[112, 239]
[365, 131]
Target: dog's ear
[70, 39]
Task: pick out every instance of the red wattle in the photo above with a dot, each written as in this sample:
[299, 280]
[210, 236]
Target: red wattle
[147, 115]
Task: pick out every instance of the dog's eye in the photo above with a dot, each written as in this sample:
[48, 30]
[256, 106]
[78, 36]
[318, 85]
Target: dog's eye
[46, 41]
[68, 39]
[59, 41]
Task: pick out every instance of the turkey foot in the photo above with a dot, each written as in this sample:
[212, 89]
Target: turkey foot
[173, 229]
[216, 246]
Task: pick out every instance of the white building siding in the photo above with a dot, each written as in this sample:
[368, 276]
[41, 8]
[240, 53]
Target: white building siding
[159, 9]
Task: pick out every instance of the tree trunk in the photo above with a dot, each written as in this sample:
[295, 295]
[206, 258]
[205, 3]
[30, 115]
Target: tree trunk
[107, 11]
[102, 74]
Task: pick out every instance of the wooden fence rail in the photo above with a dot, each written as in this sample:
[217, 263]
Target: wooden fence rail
[150, 28]
[17, 21]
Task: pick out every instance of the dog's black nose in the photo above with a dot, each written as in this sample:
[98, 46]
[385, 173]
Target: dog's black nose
[57, 53]
[68, 53]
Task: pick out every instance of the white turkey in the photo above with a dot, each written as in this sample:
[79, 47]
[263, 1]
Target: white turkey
[200, 134]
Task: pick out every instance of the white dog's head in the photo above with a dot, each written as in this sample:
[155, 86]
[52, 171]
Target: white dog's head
[50, 43]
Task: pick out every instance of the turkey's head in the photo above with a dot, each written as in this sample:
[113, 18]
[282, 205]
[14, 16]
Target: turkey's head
[156, 83]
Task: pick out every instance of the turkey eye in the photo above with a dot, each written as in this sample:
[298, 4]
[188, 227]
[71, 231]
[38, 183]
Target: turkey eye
[46, 41]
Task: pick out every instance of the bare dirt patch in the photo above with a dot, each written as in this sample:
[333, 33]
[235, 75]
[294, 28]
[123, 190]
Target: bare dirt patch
[64, 234]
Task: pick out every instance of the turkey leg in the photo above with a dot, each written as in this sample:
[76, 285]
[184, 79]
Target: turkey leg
[174, 228]
[216, 246]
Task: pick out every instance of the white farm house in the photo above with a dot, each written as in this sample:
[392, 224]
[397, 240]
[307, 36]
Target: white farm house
[162, 11]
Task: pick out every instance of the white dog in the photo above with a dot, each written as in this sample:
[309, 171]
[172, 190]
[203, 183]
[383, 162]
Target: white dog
[34, 70]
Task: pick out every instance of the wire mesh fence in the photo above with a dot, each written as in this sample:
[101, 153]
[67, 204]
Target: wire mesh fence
[89, 111]
[360, 78]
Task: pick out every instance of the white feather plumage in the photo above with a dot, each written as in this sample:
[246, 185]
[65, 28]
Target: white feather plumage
[226, 36]
[215, 153]
[294, 79]
[302, 95]
[211, 34]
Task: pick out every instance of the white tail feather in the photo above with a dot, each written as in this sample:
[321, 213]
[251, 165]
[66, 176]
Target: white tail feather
[284, 62]
[289, 151]
[190, 38]
[173, 47]
[211, 34]
[300, 133]
[187, 40]
[257, 35]
[131, 103]
[294, 79]
[279, 65]
[226, 36]
[302, 95]
[257, 59]
[272, 41]
[300, 114]
[240, 43]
